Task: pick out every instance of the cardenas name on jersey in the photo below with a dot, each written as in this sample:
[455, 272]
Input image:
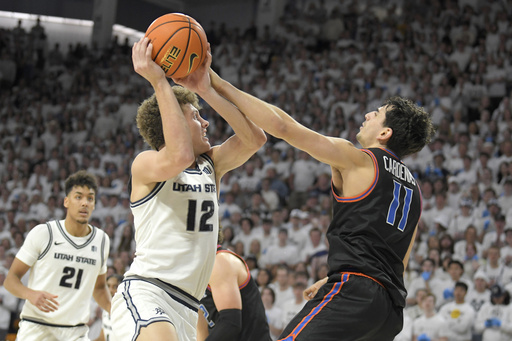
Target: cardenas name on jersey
[398, 169]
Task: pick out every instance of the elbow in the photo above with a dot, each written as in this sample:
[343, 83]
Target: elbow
[260, 139]
[8, 283]
[281, 130]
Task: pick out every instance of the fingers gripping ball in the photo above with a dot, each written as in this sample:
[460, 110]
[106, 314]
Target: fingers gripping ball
[179, 44]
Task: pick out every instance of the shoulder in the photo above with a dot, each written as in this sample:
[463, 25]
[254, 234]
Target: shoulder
[227, 264]
[226, 259]
[100, 232]
[142, 157]
[39, 230]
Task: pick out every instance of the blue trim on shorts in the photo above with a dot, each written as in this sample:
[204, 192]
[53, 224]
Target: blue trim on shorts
[327, 298]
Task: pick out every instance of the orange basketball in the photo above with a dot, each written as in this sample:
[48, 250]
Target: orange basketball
[179, 44]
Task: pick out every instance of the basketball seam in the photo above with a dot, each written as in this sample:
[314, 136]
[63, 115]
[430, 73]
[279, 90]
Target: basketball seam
[165, 23]
[164, 44]
[186, 49]
[203, 52]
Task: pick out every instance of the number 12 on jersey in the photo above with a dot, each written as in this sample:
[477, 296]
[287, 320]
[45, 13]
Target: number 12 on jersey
[207, 210]
[396, 203]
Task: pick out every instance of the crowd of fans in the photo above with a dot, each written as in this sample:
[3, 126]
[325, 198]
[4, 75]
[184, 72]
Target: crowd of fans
[326, 63]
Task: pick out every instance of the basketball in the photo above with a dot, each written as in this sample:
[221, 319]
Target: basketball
[179, 44]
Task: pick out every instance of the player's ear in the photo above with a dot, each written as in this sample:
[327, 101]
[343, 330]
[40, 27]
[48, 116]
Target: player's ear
[66, 202]
[385, 135]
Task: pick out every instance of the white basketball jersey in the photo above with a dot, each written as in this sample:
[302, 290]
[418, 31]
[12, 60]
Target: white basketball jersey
[65, 266]
[176, 228]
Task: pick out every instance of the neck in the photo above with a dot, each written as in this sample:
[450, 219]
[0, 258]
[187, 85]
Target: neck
[75, 228]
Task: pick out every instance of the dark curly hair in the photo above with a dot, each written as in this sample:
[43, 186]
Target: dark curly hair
[81, 179]
[412, 126]
[149, 121]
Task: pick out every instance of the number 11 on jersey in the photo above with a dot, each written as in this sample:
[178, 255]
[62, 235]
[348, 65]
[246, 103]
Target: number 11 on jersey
[396, 203]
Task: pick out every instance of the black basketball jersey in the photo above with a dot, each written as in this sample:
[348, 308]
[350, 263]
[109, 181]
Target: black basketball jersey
[254, 321]
[371, 233]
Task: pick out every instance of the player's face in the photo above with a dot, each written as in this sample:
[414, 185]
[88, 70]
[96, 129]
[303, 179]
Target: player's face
[112, 285]
[197, 126]
[372, 126]
[80, 204]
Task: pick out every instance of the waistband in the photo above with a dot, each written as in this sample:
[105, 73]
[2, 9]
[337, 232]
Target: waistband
[350, 273]
[176, 293]
[51, 324]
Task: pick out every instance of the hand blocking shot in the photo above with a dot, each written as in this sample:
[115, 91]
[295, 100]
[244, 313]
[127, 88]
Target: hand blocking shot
[376, 209]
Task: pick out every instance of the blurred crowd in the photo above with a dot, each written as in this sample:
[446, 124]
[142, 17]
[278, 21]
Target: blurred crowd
[327, 63]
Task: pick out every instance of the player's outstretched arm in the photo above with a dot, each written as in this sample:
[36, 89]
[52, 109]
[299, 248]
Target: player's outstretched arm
[43, 300]
[336, 152]
[248, 137]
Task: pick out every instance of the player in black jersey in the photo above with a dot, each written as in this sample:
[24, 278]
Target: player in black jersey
[232, 304]
[377, 205]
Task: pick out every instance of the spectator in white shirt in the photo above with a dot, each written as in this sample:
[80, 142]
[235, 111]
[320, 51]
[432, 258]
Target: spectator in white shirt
[280, 253]
[274, 313]
[266, 234]
[297, 233]
[314, 245]
[429, 326]
[281, 286]
[245, 235]
[462, 218]
[490, 321]
[459, 314]
[496, 237]
[506, 250]
[427, 280]
[494, 269]
[480, 293]
[291, 307]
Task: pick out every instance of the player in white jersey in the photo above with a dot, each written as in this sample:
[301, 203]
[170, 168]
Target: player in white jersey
[174, 201]
[106, 333]
[68, 263]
